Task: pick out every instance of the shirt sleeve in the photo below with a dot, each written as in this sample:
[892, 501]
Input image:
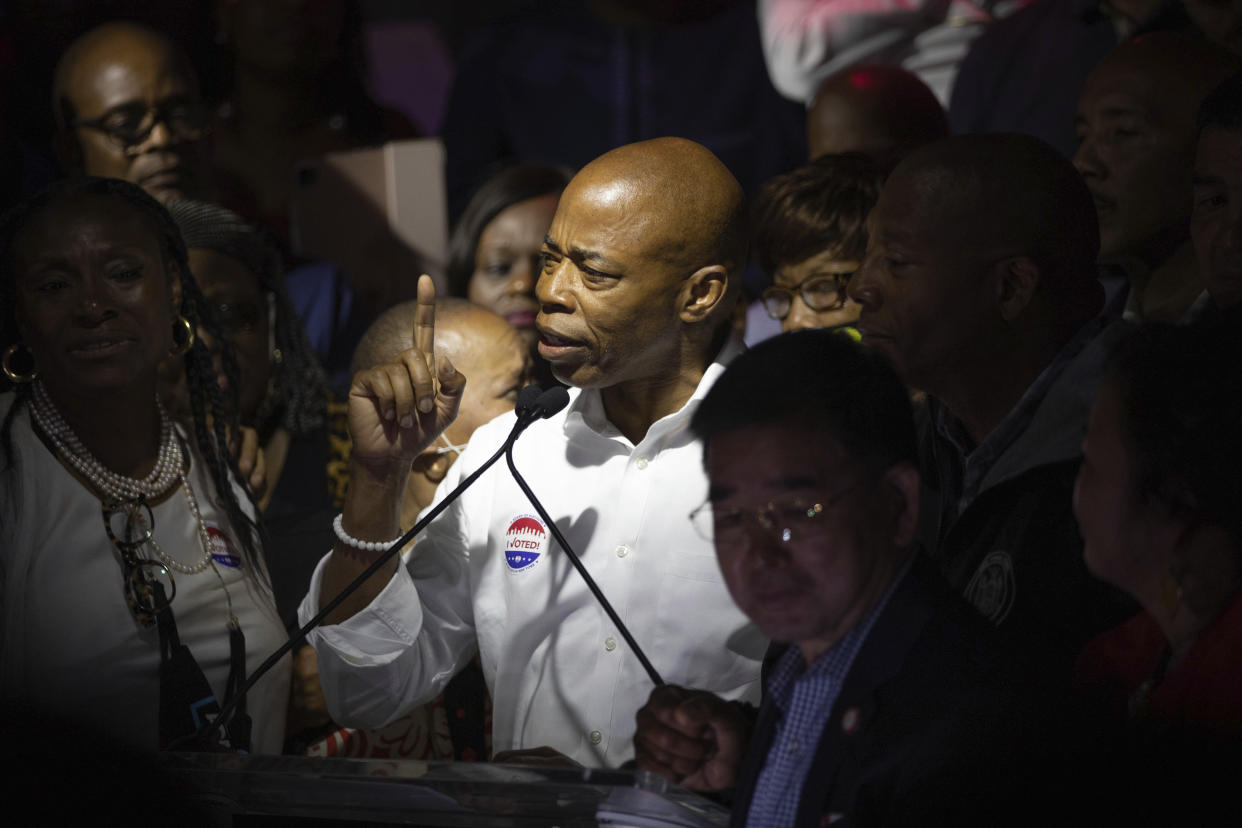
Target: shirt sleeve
[403, 648]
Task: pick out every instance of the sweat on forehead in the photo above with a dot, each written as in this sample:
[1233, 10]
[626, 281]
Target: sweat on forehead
[682, 187]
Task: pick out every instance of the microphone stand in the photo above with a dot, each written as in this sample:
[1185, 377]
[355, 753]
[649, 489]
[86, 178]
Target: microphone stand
[528, 412]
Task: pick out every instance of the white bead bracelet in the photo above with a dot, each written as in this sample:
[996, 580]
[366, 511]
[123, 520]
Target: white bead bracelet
[349, 540]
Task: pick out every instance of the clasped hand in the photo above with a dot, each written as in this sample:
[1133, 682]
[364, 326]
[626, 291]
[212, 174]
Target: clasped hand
[691, 737]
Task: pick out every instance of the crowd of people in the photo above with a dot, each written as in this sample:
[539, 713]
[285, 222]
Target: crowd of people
[960, 539]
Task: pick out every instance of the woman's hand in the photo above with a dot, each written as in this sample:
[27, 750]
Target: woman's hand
[397, 410]
[250, 460]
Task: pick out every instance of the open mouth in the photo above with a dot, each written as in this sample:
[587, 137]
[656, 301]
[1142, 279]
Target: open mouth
[553, 346]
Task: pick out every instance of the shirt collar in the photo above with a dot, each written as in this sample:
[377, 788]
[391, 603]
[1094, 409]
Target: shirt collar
[586, 415]
[976, 461]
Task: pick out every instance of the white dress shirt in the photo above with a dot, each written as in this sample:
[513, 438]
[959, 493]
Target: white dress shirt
[487, 574]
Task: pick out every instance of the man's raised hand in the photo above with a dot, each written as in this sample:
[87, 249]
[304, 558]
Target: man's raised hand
[398, 409]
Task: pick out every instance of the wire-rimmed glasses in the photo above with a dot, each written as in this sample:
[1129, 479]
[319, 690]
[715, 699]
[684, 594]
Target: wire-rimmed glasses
[788, 520]
[148, 584]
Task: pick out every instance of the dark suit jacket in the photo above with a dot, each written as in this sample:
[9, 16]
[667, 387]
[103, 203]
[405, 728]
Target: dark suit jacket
[929, 727]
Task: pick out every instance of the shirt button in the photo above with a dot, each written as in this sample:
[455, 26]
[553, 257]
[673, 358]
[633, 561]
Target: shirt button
[794, 746]
[610, 643]
[642, 462]
[596, 737]
[622, 551]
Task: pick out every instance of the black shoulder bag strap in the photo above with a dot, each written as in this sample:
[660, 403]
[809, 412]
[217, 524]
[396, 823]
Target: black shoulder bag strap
[186, 699]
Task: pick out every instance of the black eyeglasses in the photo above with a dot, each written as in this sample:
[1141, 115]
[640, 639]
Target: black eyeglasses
[148, 584]
[821, 292]
[131, 124]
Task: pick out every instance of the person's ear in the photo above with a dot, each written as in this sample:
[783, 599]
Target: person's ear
[1016, 281]
[703, 293]
[900, 488]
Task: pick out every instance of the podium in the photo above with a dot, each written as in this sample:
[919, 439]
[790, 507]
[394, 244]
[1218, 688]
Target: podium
[297, 790]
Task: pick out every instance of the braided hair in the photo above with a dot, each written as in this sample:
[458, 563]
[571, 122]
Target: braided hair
[214, 414]
[297, 396]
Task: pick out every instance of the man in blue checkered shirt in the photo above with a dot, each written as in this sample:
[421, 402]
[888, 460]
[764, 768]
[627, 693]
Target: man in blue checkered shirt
[884, 695]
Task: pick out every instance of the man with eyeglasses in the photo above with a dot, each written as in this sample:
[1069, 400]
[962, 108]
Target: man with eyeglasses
[884, 694]
[127, 106]
[809, 238]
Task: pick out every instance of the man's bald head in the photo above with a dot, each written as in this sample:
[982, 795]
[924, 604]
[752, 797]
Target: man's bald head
[1173, 72]
[642, 265]
[690, 206]
[392, 332]
[488, 350]
[1007, 195]
[1136, 126]
[92, 56]
[881, 110]
[105, 83]
[492, 355]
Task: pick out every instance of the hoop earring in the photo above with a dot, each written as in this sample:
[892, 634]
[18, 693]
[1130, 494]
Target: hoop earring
[29, 376]
[187, 335]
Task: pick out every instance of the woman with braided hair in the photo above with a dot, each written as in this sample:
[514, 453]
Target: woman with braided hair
[133, 591]
[282, 391]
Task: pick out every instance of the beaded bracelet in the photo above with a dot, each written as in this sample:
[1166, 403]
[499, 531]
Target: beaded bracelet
[349, 540]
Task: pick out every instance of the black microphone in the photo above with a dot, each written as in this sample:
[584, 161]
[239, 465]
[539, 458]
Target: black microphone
[550, 402]
[532, 402]
[526, 400]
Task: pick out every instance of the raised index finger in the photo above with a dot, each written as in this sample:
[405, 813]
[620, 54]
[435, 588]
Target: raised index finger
[425, 320]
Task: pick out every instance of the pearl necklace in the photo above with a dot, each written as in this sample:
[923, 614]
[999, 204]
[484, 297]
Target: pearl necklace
[168, 471]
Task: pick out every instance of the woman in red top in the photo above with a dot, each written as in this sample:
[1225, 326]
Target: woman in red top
[1159, 502]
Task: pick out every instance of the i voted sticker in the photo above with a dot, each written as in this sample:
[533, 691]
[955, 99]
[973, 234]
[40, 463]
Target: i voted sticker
[526, 539]
[222, 551]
